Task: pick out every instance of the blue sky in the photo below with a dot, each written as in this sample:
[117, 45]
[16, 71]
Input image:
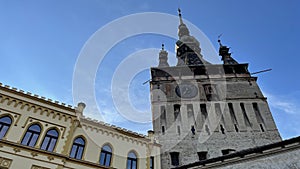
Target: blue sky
[41, 40]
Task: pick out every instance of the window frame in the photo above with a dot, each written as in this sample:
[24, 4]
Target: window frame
[3, 124]
[50, 140]
[32, 134]
[106, 153]
[131, 160]
[78, 146]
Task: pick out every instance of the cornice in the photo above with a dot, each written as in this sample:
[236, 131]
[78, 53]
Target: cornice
[14, 98]
[114, 131]
[36, 97]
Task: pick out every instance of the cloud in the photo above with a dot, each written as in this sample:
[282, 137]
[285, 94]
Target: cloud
[285, 103]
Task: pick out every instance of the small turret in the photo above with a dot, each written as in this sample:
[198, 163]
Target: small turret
[226, 56]
[163, 57]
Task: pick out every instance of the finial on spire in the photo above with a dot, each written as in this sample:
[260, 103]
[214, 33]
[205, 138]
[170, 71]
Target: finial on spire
[180, 17]
[219, 40]
[162, 46]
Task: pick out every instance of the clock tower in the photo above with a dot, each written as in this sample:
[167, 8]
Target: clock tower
[202, 110]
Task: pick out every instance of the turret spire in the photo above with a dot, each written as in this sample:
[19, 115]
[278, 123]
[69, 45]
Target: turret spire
[180, 17]
[226, 56]
[163, 57]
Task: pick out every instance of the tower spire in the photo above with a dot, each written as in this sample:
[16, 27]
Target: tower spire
[182, 28]
[187, 47]
[180, 17]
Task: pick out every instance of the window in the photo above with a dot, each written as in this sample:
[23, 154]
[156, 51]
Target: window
[202, 155]
[178, 129]
[203, 111]
[151, 162]
[257, 113]
[131, 161]
[5, 123]
[222, 129]
[176, 111]
[77, 148]
[105, 156]
[233, 117]
[163, 129]
[259, 117]
[247, 121]
[32, 135]
[228, 151]
[50, 140]
[174, 158]
[163, 112]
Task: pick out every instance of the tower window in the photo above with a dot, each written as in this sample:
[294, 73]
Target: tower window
[218, 109]
[178, 129]
[163, 129]
[193, 130]
[176, 111]
[203, 111]
[202, 155]
[207, 129]
[257, 113]
[247, 121]
[50, 140]
[233, 117]
[174, 158]
[262, 127]
[236, 128]
[259, 117]
[32, 135]
[222, 129]
[163, 112]
[77, 148]
[5, 123]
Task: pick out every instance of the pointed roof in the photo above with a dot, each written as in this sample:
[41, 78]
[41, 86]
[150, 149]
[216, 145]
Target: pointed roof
[182, 28]
[190, 44]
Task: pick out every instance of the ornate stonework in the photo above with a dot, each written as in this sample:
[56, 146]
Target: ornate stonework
[5, 162]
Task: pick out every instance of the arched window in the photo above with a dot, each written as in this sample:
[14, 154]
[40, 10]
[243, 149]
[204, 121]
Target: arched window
[131, 160]
[32, 135]
[77, 148]
[105, 156]
[50, 140]
[5, 123]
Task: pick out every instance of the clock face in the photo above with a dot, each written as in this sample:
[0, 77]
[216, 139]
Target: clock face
[186, 90]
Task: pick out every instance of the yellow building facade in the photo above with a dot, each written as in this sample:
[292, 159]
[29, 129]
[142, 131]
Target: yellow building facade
[39, 133]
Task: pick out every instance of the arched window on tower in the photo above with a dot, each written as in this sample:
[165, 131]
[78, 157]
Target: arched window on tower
[105, 156]
[77, 148]
[5, 123]
[50, 140]
[31, 136]
[131, 160]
